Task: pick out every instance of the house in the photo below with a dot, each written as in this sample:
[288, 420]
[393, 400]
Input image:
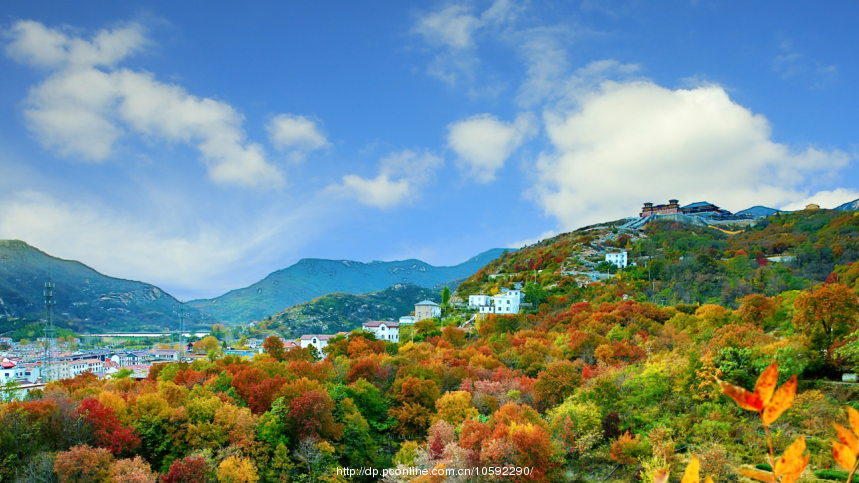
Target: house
[387, 331]
[673, 207]
[506, 303]
[479, 300]
[427, 309]
[165, 354]
[7, 341]
[619, 259]
[407, 320]
[319, 341]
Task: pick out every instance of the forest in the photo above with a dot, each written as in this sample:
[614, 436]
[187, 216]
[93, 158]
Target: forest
[648, 377]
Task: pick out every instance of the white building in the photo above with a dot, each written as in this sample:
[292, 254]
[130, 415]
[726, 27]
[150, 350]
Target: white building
[479, 300]
[407, 320]
[427, 309]
[507, 303]
[618, 259]
[319, 341]
[387, 331]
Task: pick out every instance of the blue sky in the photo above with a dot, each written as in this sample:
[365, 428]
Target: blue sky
[199, 146]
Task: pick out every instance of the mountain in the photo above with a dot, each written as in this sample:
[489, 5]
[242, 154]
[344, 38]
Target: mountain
[86, 300]
[337, 312]
[311, 278]
[682, 263]
[853, 205]
[758, 211]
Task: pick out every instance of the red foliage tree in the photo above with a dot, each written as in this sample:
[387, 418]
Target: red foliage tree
[108, 430]
[188, 470]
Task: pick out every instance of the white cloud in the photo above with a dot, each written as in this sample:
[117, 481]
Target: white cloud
[825, 199]
[483, 143]
[187, 259]
[627, 143]
[297, 134]
[452, 26]
[82, 110]
[399, 180]
[453, 31]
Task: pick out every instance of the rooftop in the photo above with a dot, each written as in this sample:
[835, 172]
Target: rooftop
[428, 302]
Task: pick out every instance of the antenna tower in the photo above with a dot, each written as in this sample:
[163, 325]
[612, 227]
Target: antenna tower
[182, 331]
[47, 368]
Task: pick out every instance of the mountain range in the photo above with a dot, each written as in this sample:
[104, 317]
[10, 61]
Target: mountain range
[90, 302]
[312, 277]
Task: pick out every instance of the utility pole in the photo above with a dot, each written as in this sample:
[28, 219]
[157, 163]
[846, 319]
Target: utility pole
[182, 330]
[47, 369]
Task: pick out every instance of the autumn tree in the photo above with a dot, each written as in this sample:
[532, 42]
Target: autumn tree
[826, 314]
[206, 345]
[558, 381]
[273, 346]
[191, 469]
[236, 469]
[83, 464]
[132, 470]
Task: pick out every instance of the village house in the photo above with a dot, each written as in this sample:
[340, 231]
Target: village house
[407, 320]
[387, 331]
[479, 300]
[427, 309]
[319, 341]
[618, 259]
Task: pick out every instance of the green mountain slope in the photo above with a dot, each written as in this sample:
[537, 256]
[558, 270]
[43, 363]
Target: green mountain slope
[345, 312]
[311, 278]
[684, 263]
[86, 301]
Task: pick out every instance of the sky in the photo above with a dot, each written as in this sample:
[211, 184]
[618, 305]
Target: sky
[199, 146]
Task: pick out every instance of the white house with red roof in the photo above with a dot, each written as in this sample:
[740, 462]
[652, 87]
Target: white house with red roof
[319, 341]
[384, 330]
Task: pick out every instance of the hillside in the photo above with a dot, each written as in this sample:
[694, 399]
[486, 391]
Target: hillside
[86, 300]
[311, 278]
[686, 263]
[346, 312]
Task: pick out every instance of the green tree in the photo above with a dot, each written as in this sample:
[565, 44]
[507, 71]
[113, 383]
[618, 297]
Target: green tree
[445, 299]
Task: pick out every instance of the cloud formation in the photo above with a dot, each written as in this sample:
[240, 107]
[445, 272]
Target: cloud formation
[296, 134]
[624, 143]
[825, 199]
[87, 104]
[483, 143]
[400, 178]
[452, 32]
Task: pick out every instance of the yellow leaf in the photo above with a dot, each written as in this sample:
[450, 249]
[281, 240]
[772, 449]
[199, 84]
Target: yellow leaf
[782, 400]
[791, 458]
[708, 480]
[843, 456]
[847, 437]
[757, 474]
[692, 472]
[661, 476]
[766, 382]
[853, 416]
[742, 397]
[795, 472]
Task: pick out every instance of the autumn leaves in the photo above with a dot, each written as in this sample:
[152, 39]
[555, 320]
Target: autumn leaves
[770, 402]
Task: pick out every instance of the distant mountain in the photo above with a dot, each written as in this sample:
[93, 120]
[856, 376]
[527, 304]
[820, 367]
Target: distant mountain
[86, 300]
[853, 205]
[758, 211]
[311, 278]
[337, 312]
